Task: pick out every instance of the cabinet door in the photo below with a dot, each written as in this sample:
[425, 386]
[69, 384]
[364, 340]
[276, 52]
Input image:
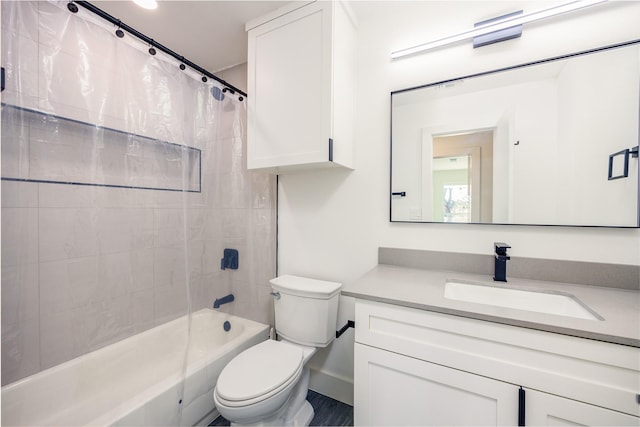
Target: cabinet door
[289, 82]
[391, 389]
[544, 409]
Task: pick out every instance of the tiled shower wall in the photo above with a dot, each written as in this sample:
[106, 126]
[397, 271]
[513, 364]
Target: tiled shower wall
[83, 267]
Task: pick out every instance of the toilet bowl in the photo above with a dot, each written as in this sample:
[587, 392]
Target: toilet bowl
[255, 386]
[267, 384]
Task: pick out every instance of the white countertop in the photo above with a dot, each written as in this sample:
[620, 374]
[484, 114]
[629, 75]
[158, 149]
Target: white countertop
[424, 289]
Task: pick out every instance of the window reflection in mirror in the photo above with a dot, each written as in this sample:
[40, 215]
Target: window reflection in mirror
[463, 162]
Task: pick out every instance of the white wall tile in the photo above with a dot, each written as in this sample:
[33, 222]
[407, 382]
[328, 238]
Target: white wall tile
[15, 143]
[213, 224]
[133, 270]
[124, 229]
[66, 196]
[169, 303]
[68, 284]
[168, 199]
[142, 304]
[67, 233]
[20, 293]
[20, 18]
[168, 227]
[109, 197]
[104, 322]
[19, 194]
[169, 267]
[234, 191]
[19, 236]
[211, 190]
[263, 190]
[20, 349]
[56, 338]
[235, 223]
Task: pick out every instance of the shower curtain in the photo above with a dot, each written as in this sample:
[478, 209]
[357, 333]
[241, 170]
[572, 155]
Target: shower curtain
[122, 182]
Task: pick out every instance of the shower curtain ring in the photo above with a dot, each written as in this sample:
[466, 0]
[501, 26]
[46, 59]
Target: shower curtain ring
[73, 8]
[152, 51]
[119, 32]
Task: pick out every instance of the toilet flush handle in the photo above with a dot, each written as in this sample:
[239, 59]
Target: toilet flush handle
[276, 295]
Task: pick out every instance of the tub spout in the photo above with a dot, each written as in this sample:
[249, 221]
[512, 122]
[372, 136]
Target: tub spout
[226, 299]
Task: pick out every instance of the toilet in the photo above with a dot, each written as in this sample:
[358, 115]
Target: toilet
[267, 384]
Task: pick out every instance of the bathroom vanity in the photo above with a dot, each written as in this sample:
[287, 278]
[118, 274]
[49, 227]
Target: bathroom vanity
[427, 352]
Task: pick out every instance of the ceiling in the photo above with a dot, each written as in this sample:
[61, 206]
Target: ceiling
[208, 33]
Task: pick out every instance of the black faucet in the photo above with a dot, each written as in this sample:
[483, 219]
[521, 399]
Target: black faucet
[218, 302]
[500, 270]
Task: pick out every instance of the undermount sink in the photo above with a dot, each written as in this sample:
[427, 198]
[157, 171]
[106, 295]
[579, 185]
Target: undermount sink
[549, 302]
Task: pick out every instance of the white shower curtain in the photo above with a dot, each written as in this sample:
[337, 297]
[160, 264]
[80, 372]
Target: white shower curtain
[121, 174]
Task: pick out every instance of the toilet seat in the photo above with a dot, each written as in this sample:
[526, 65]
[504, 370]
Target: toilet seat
[259, 373]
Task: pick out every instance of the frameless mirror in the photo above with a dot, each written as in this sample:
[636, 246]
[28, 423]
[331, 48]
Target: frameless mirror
[553, 142]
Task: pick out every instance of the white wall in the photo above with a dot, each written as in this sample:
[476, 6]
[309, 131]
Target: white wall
[332, 222]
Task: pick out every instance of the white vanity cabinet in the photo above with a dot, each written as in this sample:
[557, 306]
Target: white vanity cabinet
[301, 85]
[415, 367]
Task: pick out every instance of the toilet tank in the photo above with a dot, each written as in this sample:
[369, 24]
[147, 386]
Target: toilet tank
[307, 309]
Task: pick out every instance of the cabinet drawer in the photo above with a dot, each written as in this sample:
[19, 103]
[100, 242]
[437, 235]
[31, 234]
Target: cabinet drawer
[594, 372]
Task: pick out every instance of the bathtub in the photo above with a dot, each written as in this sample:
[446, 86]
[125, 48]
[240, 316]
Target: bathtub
[136, 381]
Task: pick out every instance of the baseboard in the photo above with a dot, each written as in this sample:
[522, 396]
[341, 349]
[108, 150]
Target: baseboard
[208, 419]
[331, 385]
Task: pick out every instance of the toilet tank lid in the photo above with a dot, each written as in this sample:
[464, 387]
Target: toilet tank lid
[303, 286]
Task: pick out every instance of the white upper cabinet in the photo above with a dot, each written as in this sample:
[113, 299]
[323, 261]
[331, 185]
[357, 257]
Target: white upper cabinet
[301, 77]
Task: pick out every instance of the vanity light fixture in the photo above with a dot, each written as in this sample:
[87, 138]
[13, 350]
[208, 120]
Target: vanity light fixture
[147, 4]
[492, 26]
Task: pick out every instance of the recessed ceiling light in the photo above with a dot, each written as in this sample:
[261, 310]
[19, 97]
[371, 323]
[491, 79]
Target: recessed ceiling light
[147, 4]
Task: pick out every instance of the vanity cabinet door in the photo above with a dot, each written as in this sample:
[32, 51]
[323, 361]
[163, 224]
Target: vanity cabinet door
[550, 410]
[301, 79]
[396, 390]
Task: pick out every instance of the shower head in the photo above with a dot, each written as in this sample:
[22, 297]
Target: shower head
[217, 93]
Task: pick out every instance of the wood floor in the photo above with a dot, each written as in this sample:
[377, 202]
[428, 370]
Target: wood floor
[328, 412]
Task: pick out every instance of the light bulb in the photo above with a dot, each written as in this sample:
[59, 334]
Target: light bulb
[147, 4]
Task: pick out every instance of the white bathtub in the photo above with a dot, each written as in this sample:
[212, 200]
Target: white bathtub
[136, 381]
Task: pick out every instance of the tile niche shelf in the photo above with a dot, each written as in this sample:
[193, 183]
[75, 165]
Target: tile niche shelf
[45, 148]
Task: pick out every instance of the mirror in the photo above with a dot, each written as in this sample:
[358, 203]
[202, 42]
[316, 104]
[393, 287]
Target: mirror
[553, 142]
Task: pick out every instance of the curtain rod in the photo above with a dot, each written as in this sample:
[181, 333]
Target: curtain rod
[104, 15]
